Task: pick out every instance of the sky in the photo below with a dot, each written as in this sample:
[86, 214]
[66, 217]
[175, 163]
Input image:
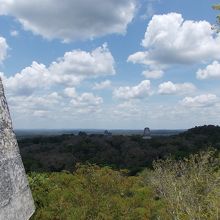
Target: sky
[116, 64]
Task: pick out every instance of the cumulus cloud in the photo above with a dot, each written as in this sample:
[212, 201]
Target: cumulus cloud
[169, 39]
[30, 78]
[40, 113]
[48, 92]
[14, 33]
[132, 107]
[205, 100]
[170, 88]
[102, 85]
[99, 62]
[54, 105]
[70, 92]
[153, 74]
[139, 91]
[86, 99]
[69, 70]
[211, 71]
[33, 103]
[71, 19]
[82, 103]
[3, 48]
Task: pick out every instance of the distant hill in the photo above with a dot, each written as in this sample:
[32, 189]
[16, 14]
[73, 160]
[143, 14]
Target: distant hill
[207, 130]
[208, 135]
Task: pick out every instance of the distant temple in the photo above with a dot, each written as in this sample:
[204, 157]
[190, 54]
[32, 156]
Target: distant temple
[107, 133]
[16, 202]
[147, 133]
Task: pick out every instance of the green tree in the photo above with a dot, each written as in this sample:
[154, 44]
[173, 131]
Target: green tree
[92, 193]
[217, 7]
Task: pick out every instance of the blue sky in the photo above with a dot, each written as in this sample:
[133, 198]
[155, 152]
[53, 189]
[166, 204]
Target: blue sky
[115, 64]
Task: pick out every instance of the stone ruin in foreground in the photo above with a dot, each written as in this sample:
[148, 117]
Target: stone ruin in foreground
[16, 202]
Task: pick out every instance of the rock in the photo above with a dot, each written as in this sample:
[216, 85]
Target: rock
[16, 202]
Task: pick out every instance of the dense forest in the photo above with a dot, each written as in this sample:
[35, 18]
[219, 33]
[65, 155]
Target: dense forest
[134, 153]
[97, 177]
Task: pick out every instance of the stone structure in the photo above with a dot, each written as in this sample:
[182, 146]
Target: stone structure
[147, 133]
[107, 133]
[16, 202]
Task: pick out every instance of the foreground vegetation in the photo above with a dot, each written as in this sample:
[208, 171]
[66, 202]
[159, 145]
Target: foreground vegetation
[183, 189]
[91, 193]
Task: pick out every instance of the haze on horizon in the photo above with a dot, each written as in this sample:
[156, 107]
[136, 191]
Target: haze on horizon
[123, 64]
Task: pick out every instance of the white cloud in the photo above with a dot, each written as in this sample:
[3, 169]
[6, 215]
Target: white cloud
[205, 100]
[153, 74]
[102, 85]
[3, 48]
[70, 92]
[170, 88]
[211, 71]
[33, 103]
[86, 103]
[71, 19]
[29, 79]
[169, 39]
[14, 33]
[140, 91]
[40, 113]
[48, 92]
[69, 70]
[86, 99]
[132, 107]
[82, 101]
[53, 105]
[99, 62]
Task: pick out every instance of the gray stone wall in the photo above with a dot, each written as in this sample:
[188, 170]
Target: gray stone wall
[16, 202]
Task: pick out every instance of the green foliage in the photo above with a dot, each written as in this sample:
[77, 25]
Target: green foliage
[187, 189]
[217, 7]
[190, 188]
[32, 164]
[63, 152]
[92, 193]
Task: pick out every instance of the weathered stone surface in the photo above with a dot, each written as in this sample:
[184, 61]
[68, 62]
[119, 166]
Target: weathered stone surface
[5, 184]
[16, 202]
[20, 207]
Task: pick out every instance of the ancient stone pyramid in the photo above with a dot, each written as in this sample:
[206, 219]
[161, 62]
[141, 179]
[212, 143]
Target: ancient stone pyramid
[16, 202]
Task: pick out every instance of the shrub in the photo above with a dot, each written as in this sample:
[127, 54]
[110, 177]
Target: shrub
[190, 187]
